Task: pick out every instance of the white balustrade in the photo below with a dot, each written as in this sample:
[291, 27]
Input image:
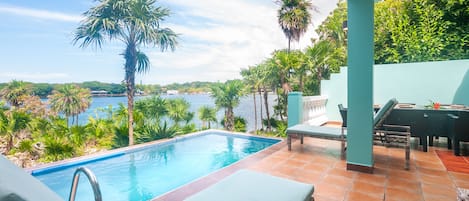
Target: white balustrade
[314, 110]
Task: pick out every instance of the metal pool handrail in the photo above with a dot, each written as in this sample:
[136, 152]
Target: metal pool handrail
[93, 181]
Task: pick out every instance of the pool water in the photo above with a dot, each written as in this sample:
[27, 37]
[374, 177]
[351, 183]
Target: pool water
[150, 172]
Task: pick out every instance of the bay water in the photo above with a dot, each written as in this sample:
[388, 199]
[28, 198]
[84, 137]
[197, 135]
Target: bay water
[245, 109]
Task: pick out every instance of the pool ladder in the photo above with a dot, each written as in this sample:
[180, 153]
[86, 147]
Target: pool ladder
[93, 181]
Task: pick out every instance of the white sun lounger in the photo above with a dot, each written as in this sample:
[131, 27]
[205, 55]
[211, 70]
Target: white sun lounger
[17, 185]
[246, 185]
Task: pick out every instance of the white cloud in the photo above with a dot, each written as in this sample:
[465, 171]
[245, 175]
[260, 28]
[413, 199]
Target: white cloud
[218, 38]
[231, 35]
[39, 14]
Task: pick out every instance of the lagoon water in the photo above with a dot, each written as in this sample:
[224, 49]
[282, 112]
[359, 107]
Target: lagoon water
[245, 109]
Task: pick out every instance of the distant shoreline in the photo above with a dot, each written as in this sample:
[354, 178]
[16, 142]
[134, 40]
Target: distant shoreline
[107, 95]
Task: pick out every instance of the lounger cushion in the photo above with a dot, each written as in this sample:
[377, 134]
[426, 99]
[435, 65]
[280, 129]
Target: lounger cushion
[246, 185]
[17, 185]
[384, 111]
[316, 131]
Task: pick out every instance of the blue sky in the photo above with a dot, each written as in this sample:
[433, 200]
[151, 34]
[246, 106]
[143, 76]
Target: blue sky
[217, 39]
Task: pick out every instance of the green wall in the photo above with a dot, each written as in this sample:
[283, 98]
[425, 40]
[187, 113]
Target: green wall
[446, 82]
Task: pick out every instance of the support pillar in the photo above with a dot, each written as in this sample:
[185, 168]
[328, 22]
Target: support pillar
[360, 86]
[295, 108]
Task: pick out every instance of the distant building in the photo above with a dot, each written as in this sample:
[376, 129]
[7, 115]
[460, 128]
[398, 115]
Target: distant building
[172, 92]
[99, 93]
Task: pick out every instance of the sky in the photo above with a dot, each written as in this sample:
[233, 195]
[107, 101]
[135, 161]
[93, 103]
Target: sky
[217, 39]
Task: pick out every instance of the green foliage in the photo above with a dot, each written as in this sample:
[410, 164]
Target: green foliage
[57, 150]
[121, 137]
[240, 124]
[207, 115]
[178, 110]
[111, 88]
[42, 89]
[150, 133]
[279, 126]
[15, 92]
[228, 96]
[282, 128]
[190, 87]
[26, 146]
[70, 100]
[188, 128]
[11, 124]
[100, 132]
[420, 30]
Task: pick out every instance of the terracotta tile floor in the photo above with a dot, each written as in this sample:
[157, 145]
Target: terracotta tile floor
[318, 162]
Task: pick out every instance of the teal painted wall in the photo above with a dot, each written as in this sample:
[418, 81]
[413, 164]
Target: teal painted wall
[446, 82]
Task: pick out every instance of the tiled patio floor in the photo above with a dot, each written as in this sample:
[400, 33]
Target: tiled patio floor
[318, 162]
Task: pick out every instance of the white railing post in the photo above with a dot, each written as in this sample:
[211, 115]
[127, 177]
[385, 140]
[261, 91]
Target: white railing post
[314, 110]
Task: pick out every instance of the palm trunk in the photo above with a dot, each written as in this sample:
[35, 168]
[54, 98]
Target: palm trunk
[229, 119]
[279, 103]
[319, 80]
[266, 104]
[255, 111]
[301, 82]
[260, 106]
[130, 64]
[9, 144]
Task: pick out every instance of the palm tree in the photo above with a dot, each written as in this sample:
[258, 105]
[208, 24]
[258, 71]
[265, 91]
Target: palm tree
[207, 115]
[178, 110]
[11, 123]
[269, 80]
[14, 92]
[134, 22]
[70, 100]
[228, 96]
[153, 108]
[251, 81]
[318, 56]
[294, 17]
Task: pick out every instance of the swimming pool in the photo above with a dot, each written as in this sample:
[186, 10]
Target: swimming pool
[148, 172]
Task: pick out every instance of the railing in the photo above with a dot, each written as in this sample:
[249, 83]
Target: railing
[93, 181]
[314, 110]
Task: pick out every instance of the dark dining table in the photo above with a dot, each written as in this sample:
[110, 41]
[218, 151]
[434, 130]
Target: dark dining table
[427, 123]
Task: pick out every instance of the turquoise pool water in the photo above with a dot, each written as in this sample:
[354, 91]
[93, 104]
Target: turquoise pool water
[149, 172]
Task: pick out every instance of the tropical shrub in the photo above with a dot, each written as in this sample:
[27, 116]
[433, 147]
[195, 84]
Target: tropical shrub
[57, 149]
[150, 133]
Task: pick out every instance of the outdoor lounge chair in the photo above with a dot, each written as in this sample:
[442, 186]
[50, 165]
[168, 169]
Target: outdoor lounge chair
[16, 184]
[248, 185]
[383, 134]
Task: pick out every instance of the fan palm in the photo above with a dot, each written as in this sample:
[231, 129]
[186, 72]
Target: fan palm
[134, 22]
[294, 17]
[178, 110]
[14, 92]
[207, 115]
[11, 123]
[70, 100]
[228, 96]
